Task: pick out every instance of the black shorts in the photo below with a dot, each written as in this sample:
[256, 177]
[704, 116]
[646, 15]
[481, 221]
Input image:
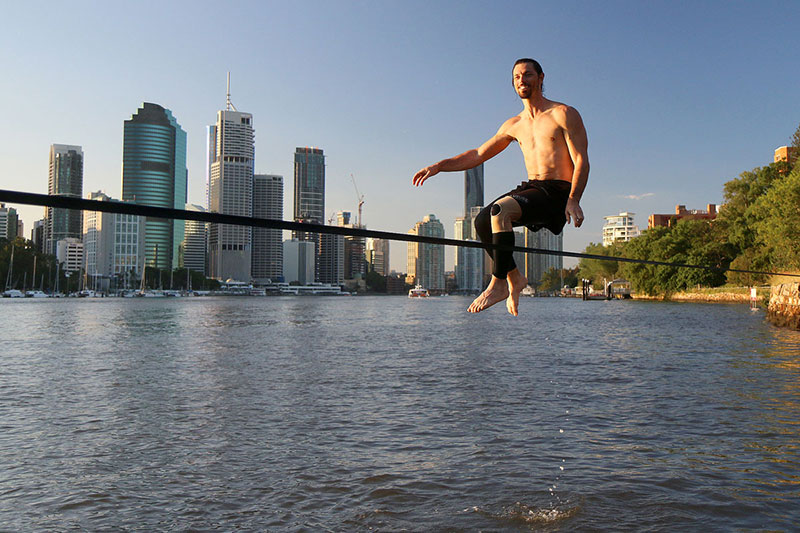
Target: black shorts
[543, 204]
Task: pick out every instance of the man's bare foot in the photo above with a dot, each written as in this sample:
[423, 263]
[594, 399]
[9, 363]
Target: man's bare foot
[516, 282]
[497, 291]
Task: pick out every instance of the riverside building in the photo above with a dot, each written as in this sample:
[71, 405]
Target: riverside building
[619, 228]
[309, 195]
[298, 261]
[194, 242]
[681, 213]
[377, 255]
[473, 188]
[69, 252]
[65, 178]
[425, 262]
[267, 257]
[535, 265]
[9, 223]
[231, 156]
[469, 262]
[113, 251]
[154, 173]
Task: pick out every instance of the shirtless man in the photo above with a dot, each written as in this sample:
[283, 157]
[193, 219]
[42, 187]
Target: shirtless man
[553, 141]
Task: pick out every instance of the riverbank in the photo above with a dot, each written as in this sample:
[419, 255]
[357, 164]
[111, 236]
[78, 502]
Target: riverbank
[784, 305]
[738, 295]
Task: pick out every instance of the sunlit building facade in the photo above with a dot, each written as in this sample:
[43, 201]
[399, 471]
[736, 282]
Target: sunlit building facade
[619, 228]
[378, 255]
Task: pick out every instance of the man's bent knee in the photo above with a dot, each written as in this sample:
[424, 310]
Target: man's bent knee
[504, 212]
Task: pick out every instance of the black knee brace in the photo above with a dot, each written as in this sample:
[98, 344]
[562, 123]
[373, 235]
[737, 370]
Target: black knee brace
[483, 227]
[503, 259]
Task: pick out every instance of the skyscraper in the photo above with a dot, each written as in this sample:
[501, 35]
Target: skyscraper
[331, 259]
[473, 188]
[298, 261]
[38, 234]
[426, 261]
[154, 173]
[112, 246]
[468, 261]
[538, 264]
[309, 185]
[65, 179]
[194, 242]
[267, 243]
[309, 196]
[378, 255]
[9, 222]
[354, 247]
[232, 157]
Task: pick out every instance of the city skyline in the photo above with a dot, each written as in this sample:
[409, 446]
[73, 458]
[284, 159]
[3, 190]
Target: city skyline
[664, 114]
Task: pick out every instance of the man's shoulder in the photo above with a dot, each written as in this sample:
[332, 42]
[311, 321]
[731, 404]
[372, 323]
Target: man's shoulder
[563, 113]
[560, 108]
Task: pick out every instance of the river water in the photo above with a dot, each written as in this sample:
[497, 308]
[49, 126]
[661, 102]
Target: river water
[384, 413]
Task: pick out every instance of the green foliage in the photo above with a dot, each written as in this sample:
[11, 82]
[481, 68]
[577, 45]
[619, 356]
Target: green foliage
[694, 242]
[737, 218]
[23, 272]
[597, 269]
[777, 222]
[796, 139]
[375, 282]
[551, 280]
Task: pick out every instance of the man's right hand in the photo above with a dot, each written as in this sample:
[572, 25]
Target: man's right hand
[425, 173]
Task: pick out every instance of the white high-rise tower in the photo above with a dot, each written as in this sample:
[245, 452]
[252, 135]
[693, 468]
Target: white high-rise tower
[230, 191]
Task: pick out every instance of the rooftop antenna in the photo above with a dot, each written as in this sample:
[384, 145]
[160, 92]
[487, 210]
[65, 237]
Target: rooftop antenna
[229, 105]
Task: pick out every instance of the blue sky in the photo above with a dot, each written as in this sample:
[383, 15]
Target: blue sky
[677, 97]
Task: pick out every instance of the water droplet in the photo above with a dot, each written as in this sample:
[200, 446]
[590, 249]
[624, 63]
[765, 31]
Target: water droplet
[561, 467]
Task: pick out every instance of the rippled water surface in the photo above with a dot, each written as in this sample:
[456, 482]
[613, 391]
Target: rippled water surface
[352, 414]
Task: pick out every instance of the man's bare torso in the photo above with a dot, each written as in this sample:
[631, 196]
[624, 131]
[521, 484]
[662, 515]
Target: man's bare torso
[541, 139]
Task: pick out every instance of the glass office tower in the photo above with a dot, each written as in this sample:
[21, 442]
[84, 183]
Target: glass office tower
[154, 173]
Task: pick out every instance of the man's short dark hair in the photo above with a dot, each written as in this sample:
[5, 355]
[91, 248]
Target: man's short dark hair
[536, 66]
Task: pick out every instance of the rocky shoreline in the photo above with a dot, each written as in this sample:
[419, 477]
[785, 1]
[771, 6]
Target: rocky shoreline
[784, 305]
[715, 297]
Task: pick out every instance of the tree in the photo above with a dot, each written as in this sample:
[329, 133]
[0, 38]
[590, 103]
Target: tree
[375, 282]
[552, 278]
[596, 269]
[696, 242]
[777, 226]
[737, 217]
[796, 140]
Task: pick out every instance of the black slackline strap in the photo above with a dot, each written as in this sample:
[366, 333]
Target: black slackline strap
[127, 208]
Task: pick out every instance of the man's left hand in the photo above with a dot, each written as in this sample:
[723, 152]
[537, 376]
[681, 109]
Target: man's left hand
[574, 213]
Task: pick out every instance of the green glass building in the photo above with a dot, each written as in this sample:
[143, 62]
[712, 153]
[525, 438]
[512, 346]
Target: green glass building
[154, 173]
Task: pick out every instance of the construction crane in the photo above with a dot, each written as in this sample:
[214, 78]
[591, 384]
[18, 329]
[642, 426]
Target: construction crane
[360, 202]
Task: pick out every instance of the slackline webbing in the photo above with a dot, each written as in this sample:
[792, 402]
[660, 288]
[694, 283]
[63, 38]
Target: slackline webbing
[126, 208]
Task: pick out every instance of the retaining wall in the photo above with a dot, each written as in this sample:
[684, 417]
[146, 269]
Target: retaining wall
[784, 305]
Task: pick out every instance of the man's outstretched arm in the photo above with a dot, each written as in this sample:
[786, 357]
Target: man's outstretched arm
[469, 159]
[578, 144]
